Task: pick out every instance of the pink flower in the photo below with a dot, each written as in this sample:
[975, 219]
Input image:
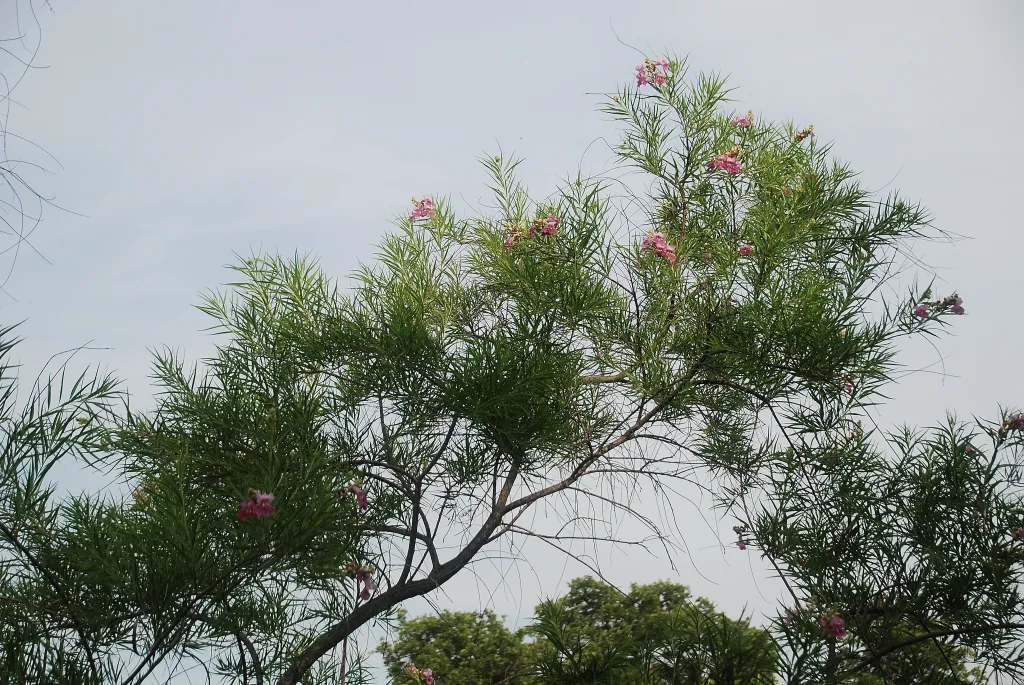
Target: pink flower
[424, 209]
[727, 163]
[1012, 423]
[641, 76]
[746, 250]
[509, 242]
[259, 504]
[428, 676]
[835, 626]
[791, 615]
[264, 503]
[369, 585]
[741, 544]
[921, 311]
[958, 306]
[1017, 534]
[741, 122]
[246, 511]
[360, 493]
[656, 243]
[550, 225]
[708, 257]
[652, 70]
[848, 386]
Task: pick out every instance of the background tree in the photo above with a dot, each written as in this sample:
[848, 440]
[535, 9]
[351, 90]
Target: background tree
[654, 634]
[461, 648]
[342, 453]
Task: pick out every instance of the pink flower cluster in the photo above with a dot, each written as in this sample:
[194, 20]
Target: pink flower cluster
[656, 243]
[746, 249]
[652, 70]
[258, 505]
[834, 626]
[428, 674]
[364, 575]
[360, 492]
[546, 226]
[422, 209]
[954, 304]
[804, 133]
[744, 121]
[726, 162]
[1011, 424]
[1017, 534]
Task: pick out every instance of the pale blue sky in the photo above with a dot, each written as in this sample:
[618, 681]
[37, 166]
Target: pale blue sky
[188, 131]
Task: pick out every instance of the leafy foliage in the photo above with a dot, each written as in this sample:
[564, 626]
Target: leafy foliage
[461, 648]
[482, 366]
[656, 634]
[594, 634]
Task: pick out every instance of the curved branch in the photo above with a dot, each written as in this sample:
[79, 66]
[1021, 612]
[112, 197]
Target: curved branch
[253, 655]
[624, 437]
[933, 635]
[439, 575]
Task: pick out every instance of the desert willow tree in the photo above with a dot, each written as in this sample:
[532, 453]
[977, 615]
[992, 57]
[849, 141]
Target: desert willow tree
[344, 452]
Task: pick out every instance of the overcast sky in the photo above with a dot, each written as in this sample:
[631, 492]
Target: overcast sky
[189, 131]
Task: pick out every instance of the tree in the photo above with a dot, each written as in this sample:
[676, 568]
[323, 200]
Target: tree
[342, 453]
[42, 629]
[656, 633]
[872, 543]
[460, 648]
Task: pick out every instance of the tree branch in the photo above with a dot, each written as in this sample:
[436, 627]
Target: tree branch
[625, 436]
[439, 575]
[933, 635]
